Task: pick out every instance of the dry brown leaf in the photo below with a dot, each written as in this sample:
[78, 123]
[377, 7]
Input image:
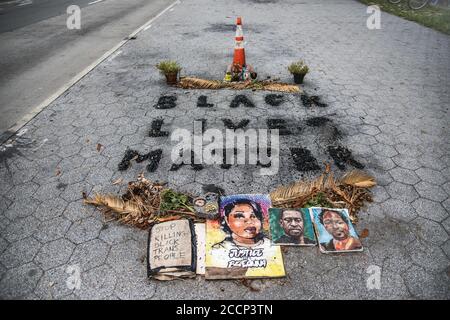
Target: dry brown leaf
[99, 147]
[118, 181]
[57, 171]
[358, 178]
[364, 233]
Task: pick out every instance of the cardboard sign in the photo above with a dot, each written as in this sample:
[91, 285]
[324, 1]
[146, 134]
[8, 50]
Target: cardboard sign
[200, 232]
[172, 250]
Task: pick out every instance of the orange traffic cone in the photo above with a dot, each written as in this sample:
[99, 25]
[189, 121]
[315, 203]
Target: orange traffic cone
[239, 53]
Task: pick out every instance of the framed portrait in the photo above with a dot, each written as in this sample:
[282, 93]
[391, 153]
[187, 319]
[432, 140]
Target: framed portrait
[335, 231]
[238, 243]
[291, 227]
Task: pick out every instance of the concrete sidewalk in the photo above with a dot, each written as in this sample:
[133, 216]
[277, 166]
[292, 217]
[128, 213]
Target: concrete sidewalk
[387, 94]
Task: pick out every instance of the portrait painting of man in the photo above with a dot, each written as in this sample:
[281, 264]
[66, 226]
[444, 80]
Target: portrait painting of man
[291, 227]
[237, 244]
[335, 231]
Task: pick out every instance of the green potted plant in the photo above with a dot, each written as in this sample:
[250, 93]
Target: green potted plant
[299, 69]
[170, 69]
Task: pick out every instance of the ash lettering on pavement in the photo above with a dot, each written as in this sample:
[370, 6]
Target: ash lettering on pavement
[323, 135]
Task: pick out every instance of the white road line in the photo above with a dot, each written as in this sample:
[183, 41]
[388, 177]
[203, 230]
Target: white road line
[153, 19]
[147, 27]
[18, 3]
[35, 111]
[94, 2]
[114, 55]
[25, 3]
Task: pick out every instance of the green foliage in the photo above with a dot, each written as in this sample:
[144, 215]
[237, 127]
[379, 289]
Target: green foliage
[168, 66]
[298, 67]
[319, 200]
[171, 200]
[435, 17]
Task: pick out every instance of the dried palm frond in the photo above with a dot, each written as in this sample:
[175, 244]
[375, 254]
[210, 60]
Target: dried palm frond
[139, 206]
[358, 178]
[300, 192]
[270, 85]
[113, 203]
[197, 83]
[282, 87]
[351, 192]
[352, 198]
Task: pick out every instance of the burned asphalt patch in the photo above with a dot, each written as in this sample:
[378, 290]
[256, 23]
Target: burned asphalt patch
[317, 121]
[153, 157]
[229, 124]
[213, 188]
[342, 157]
[311, 101]
[280, 125]
[155, 130]
[242, 99]
[166, 102]
[325, 130]
[274, 99]
[202, 102]
[304, 160]
[193, 163]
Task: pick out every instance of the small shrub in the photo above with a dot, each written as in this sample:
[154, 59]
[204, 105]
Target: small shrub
[168, 66]
[298, 67]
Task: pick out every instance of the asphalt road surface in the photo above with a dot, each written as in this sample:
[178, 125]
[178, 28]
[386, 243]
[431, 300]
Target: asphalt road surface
[20, 13]
[39, 54]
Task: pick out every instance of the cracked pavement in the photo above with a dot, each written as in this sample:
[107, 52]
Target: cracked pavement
[387, 93]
